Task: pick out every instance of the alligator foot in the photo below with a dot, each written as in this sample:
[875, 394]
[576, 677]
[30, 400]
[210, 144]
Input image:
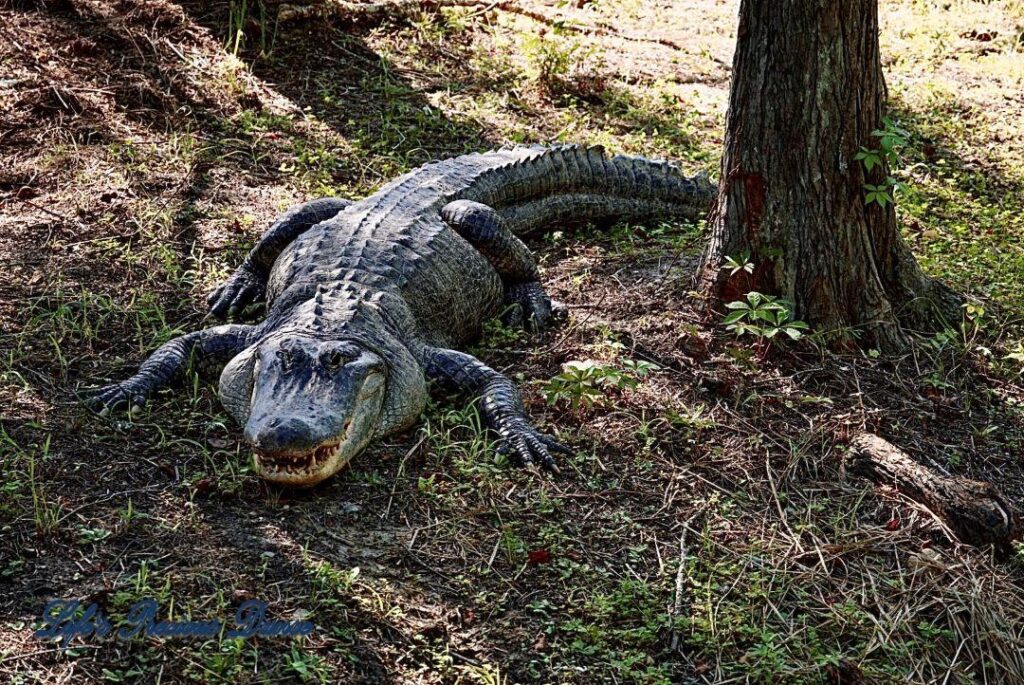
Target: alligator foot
[524, 444]
[212, 347]
[500, 404]
[527, 306]
[110, 397]
[243, 288]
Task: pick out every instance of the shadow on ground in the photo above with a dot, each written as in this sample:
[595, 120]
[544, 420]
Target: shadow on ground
[139, 111]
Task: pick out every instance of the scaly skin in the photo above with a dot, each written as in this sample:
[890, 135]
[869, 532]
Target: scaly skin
[368, 300]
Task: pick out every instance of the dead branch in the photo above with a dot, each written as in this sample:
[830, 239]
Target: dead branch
[974, 511]
[363, 12]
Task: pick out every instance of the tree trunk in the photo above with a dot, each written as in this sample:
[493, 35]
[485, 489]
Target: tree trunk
[807, 92]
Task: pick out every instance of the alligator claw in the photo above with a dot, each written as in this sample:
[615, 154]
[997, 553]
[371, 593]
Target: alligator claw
[243, 288]
[527, 446]
[110, 397]
[559, 312]
[530, 308]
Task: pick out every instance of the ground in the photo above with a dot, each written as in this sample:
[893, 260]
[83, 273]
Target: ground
[704, 531]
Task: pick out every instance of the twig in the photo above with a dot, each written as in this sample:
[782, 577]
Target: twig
[52, 213]
[401, 467]
[677, 605]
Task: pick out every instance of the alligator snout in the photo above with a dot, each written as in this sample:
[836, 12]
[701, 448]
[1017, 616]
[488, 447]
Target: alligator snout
[281, 434]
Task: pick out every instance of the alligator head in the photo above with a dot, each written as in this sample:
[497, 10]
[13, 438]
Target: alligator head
[309, 405]
[314, 404]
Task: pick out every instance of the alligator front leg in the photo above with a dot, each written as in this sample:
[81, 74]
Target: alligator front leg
[500, 404]
[210, 349]
[249, 282]
[527, 305]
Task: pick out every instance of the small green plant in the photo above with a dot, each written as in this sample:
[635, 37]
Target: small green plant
[735, 265]
[891, 141]
[309, 667]
[497, 336]
[583, 383]
[427, 486]
[943, 341]
[47, 516]
[973, 325]
[240, 13]
[552, 59]
[329, 580]
[691, 419]
[1017, 355]
[90, 535]
[881, 194]
[763, 316]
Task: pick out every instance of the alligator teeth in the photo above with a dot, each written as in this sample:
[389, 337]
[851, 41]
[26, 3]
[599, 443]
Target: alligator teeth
[298, 464]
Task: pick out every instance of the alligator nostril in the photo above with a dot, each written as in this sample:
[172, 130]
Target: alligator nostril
[279, 434]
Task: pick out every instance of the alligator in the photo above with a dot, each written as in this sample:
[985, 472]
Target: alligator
[367, 301]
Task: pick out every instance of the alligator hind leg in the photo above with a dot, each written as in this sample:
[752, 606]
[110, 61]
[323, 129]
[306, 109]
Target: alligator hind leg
[500, 405]
[249, 281]
[527, 305]
[210, 349]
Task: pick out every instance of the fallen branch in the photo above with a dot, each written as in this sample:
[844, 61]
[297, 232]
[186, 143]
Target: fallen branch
[352, 11]
[974, 511]
[362, 12]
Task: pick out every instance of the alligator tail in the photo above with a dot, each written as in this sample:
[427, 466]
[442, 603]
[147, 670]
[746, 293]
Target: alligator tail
[543, 186]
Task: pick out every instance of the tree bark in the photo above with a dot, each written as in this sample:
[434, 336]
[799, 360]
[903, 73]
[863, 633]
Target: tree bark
[807, 92]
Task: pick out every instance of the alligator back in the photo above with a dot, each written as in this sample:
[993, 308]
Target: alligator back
[395, 240]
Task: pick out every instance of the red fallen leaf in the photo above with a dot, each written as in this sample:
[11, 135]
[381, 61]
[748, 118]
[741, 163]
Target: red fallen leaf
[893, 524]
[538, 556]
[468, 617]
[205, 484]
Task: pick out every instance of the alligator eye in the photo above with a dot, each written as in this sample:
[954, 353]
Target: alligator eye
[334, 360]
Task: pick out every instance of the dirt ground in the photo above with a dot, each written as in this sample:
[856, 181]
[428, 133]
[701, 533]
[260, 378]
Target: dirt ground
[704, 532]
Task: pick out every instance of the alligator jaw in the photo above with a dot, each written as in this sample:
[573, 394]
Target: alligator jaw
[298, 469]
[302, 469]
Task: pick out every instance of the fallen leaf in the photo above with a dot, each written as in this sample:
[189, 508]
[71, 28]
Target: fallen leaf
[538, 556]
[205, 484]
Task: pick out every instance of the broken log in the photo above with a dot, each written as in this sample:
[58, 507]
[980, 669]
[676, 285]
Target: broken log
[974, 511]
